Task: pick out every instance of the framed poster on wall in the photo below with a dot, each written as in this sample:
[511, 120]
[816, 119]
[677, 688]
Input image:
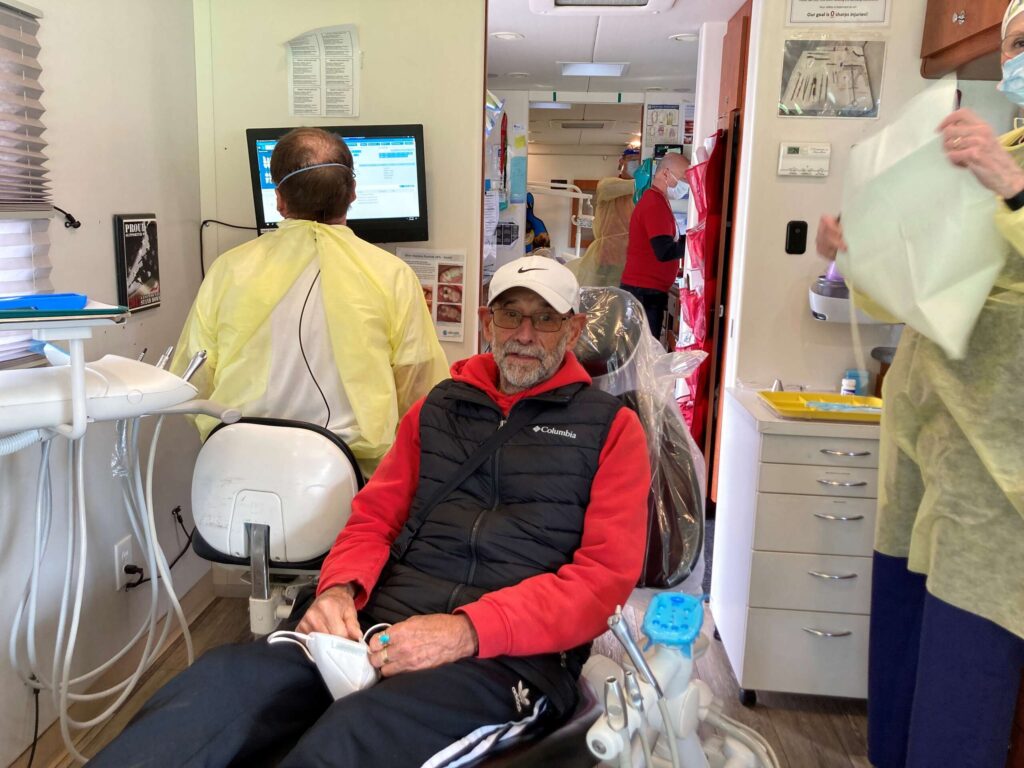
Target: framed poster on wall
[137, 265]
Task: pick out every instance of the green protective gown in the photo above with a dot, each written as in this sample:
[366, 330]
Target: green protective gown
[381, 333]
[952, 457]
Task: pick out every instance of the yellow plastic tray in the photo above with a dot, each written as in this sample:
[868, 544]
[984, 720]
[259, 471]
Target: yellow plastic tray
[799, 405]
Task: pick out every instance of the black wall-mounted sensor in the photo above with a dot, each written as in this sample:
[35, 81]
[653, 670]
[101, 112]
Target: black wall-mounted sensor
[796, 237]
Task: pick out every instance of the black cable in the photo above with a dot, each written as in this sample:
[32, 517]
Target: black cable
[202, 226]
[69, 219]
[303, 351]
[134, 569]
[35, 729]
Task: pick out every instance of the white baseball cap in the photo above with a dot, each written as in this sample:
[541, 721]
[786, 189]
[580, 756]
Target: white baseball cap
[545, 277]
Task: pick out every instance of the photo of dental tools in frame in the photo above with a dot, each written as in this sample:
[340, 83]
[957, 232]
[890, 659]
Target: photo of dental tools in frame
[832, 78]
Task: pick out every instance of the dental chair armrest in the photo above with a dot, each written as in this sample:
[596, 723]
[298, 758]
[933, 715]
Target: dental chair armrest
[205, 408]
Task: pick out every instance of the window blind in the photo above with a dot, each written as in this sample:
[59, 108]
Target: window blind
[24, 189]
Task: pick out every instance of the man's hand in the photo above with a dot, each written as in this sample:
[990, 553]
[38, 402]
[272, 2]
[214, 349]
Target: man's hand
[970, 142]
[423, 642]
[333, 612]
[830, 237]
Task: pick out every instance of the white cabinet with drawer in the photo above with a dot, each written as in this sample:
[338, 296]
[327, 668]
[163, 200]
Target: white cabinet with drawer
[791, 582]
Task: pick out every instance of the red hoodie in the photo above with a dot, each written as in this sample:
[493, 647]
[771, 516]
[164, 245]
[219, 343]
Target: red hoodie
[546, 613]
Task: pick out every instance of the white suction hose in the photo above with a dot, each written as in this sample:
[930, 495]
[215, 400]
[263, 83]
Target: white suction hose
[14, 443]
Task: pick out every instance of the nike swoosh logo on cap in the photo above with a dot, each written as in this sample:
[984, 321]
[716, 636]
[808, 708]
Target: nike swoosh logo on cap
[531, 269]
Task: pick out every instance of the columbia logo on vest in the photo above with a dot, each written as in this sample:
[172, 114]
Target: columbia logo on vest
[553, 431]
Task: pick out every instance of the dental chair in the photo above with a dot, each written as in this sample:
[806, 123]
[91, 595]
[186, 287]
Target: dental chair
[271, 495]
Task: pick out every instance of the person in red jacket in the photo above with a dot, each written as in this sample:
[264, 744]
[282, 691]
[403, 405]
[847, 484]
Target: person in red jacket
[655, 245]
[493, 591]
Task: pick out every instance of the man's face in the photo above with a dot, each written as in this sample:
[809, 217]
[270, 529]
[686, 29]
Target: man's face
[527, 356]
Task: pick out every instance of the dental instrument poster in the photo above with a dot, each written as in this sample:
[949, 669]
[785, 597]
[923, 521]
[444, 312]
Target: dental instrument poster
[138, 268]
[832, 78]
[323, 72]
[834, 12]
[442, 276]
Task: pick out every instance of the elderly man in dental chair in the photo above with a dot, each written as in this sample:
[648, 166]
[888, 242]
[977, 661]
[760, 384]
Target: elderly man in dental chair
[499, 533]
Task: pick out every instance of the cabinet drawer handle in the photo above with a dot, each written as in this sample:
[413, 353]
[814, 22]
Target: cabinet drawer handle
[843, 483]
[959, 17]
[845, 454]
[823, 633]
[835, 576]
[844, 518]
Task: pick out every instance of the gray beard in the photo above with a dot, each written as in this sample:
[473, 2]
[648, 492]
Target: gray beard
[516, 377]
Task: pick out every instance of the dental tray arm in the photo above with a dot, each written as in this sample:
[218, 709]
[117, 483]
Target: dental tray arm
[203, 408]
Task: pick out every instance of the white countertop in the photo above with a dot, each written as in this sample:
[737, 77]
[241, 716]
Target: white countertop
[770, 423]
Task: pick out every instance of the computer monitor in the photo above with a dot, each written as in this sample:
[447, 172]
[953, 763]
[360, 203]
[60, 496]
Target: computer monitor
[391, 192]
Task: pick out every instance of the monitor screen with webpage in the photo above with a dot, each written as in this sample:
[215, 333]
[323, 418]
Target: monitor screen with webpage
[391, 193]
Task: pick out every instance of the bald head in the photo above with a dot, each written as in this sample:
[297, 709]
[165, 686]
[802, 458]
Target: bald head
[671, 169]
[320, 194]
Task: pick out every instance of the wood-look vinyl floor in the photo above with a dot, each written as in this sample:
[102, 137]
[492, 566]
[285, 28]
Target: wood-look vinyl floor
[805, 731]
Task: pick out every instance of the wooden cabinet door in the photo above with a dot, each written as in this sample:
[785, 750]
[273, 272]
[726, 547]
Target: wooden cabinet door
[949, 22]
[734, 65]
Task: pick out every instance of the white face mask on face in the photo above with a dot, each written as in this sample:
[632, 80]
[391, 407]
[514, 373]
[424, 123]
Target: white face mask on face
[678, 191]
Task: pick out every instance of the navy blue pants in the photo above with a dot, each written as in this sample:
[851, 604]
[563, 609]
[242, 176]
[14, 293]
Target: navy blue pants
[655, 304]
[256, 705]
[942, 683]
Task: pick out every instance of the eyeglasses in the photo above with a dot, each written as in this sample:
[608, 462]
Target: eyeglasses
[511, 319]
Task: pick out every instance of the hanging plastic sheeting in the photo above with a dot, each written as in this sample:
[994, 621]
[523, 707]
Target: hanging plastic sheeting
[623, 358]
[642, 179]
[493, 108]
[605, 258]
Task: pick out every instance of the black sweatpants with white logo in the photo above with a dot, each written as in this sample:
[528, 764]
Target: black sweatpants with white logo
[257, 705]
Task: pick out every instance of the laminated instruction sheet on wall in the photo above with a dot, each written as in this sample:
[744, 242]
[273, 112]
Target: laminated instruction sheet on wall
[922, 241]
[323, 72]
[442, 276]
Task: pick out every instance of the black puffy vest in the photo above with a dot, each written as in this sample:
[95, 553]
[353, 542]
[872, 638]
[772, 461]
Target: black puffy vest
[518, 515]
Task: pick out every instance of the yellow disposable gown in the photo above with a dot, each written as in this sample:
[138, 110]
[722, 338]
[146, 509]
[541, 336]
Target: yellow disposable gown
[952, 456]
[381, 333]
[605, 258]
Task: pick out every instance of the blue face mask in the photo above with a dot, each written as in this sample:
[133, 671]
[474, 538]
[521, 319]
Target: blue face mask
[1012, 84]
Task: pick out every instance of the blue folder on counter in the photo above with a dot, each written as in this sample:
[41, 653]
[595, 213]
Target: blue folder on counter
[56, 306]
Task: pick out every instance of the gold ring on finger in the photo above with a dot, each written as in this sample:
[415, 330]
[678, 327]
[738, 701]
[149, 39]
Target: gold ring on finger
[384, 656]
[957, 140]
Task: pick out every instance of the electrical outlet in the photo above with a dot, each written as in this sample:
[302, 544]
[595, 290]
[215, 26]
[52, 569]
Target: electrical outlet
[123, 556]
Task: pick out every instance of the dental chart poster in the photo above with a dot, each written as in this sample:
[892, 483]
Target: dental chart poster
[138, 269]
[834, 12]
[442, 276]
[832, 78]
[323, 72]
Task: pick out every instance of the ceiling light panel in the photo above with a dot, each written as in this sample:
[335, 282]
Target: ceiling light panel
[594, 69]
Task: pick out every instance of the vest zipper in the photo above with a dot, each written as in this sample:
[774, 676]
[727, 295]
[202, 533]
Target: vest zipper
[476, 529]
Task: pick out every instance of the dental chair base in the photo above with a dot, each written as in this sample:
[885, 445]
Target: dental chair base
[666, 706]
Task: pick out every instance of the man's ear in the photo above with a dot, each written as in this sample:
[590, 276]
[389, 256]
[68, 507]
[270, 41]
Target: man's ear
[484, 314]
[576, 325]
[281, 207]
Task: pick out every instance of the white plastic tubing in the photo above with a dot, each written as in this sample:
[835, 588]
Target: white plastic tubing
[138, 504]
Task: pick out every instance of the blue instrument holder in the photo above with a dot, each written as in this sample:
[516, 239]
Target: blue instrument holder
[674, 619]
[45, 302]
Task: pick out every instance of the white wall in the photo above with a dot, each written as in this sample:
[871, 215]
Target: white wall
[773, 334]
[121, 125]
[422, 63]
[555, 211]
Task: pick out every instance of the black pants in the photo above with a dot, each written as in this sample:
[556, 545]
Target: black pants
[258, 705]
[655, 305]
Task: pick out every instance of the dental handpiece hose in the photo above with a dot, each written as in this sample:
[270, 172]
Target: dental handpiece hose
[636, 701]
[621, 632]
[194, 364]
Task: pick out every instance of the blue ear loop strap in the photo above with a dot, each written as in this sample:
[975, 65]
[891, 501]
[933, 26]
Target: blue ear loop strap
[310, 168]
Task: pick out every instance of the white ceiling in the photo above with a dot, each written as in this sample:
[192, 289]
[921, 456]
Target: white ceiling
[642, 39]
[621, 124]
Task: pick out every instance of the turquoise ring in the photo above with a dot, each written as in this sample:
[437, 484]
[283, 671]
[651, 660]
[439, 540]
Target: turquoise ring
[385, 638]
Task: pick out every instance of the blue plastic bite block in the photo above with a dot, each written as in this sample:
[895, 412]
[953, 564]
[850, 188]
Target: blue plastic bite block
[674, 619]
[45, 302]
